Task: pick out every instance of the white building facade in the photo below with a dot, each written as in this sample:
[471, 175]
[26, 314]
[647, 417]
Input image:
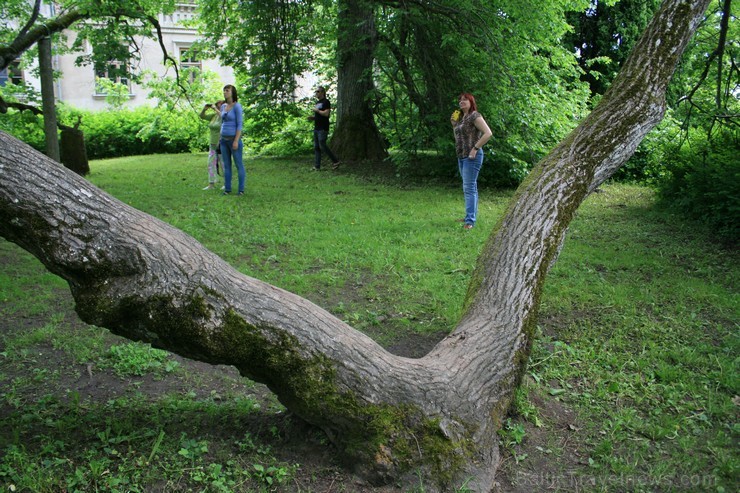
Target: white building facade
[78, 87]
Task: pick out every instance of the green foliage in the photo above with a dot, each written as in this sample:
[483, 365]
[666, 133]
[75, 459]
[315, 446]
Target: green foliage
[176, 117]
[293, 137]
[526, 84]
[116, 94]
[603, 35]
[26, 127]
[704, 90]
[116, 133]
[135, 359]
[703, 182]
[270, 50]
[512, 433]
[647, 164]
[135, 131]
[110, 27]
[116, 25]
[506, 53]
[692, 156]
[277, 129]
[270, 475]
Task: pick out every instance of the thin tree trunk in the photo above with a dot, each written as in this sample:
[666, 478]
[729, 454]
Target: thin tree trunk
[724, 26]
[47, 99]
[393, 418]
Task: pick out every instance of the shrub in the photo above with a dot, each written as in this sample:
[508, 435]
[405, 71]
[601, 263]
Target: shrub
[703, 182]
[25, 126]
[139, 131]
[294, 137]
[646, 165]
[125, 132]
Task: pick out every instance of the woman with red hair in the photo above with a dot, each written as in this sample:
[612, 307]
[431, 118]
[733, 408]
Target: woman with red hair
[471, 134]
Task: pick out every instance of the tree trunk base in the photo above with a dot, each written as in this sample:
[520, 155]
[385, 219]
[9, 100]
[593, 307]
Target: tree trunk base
[358, 141]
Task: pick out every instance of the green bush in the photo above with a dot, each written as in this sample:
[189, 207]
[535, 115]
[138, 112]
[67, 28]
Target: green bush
[25, 126]
[116, 133]
[703, 182]
[140, 131]
[293, 138]
[501, 169]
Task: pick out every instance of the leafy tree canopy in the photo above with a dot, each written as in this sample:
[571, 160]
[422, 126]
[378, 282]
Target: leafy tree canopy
[114, 29]
[508, 54]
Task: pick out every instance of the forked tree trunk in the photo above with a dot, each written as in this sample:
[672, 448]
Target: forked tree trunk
[356, 137]
[393, 418]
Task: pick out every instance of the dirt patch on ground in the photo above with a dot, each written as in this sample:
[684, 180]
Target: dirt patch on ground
[551, 457]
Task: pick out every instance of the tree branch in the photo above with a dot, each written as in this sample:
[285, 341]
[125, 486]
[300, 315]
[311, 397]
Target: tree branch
[167, 58]
[24, 41]
[31, 20]
[5, 105]
[723, 27]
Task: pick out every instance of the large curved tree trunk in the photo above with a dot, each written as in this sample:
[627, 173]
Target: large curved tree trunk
[393, 418]
[356, 137]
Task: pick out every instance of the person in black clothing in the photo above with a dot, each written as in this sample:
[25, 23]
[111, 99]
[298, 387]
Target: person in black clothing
[320, 118]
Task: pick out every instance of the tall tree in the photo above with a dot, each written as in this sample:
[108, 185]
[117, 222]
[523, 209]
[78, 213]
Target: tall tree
[394, 418]
[356, 135]
[273, 42]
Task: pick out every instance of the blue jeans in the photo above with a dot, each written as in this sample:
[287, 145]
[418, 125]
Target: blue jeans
[319, 144]
[227, 152]
[469, 169]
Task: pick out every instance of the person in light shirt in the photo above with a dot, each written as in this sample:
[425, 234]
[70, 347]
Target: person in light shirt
[232, 118]
[214, 151]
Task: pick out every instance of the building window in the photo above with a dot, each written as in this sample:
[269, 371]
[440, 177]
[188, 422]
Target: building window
[190, 61]
[115, 72]
[12, 74]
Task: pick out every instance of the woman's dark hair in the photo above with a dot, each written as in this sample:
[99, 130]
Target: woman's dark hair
[234, 96]
[471, 98]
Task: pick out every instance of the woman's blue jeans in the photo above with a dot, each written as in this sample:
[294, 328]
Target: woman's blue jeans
[469, 169]
[227, 152]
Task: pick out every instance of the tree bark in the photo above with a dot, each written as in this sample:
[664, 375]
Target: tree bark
[393, 418]
[356, 137]
[47, 99]
[721, 43]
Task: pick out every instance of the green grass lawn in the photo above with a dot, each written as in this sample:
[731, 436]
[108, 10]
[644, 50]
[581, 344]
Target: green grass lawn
[637, 341]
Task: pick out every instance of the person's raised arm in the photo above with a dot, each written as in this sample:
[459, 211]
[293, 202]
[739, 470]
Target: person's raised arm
[203, 115]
